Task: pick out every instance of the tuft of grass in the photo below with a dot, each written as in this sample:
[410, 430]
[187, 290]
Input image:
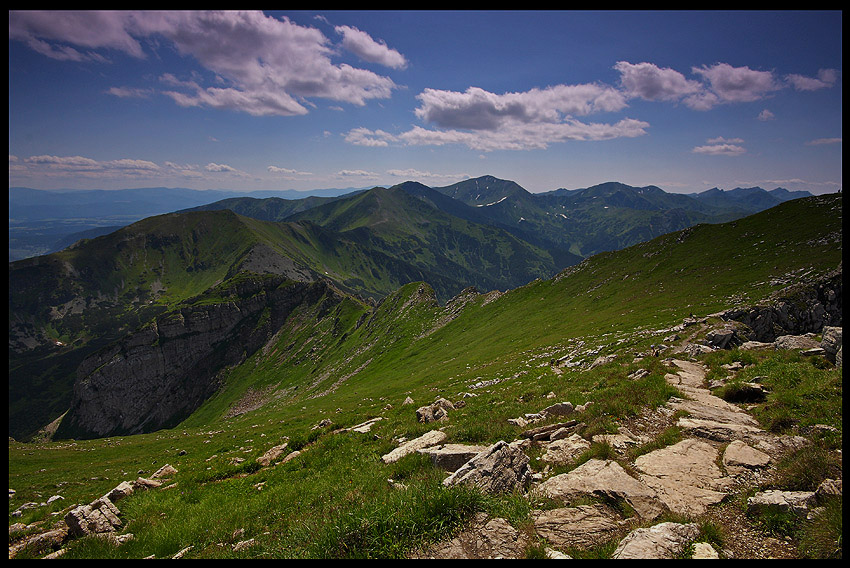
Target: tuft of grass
[821, 537]
[806, 468]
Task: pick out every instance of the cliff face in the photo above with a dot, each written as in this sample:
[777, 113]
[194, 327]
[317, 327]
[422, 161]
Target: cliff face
[160, 374]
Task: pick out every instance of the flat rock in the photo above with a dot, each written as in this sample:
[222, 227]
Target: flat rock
[795, 342]
[450, 457]
[565, 450]
[484, 539]
[685, 476]
[583, 527]
[431, 438]
[608, 479]
[740, 457]
[718, 431]
[365, 427]
[662, 541]
[785, 501]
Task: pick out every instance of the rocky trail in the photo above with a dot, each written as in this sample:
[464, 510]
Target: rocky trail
[723, 453]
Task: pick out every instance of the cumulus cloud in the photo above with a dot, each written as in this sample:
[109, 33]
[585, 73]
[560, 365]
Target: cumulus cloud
[716, 84]
[366, 137]
[262, 65]
[653, 83]
[478, 109]
[737, 84]
[766, 115]
[487, 121]
[363, 46]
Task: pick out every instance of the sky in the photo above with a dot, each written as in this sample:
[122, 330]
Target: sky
[307, 100]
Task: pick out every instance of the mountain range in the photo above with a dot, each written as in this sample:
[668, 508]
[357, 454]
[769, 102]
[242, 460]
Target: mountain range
[47, 221]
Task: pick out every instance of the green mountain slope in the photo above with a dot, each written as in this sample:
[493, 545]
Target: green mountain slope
[701, 270]
[402, 225]
[331, 365]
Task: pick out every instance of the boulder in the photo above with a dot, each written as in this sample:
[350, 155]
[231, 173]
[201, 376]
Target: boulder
[704, 551]
[662, 541]
[721, 338]
[831, 342]
[798, 502]
[436, 411]
[40, 542]
[123, 489]
[272, 454]
[560, 409]
[500, 468]
[165, 472]
[544, 432]
[801, 342]
[827, 489]
[100, 516]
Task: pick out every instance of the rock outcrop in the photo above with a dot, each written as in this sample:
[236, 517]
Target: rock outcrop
[794, 311]
[501, 468]
[161, 373]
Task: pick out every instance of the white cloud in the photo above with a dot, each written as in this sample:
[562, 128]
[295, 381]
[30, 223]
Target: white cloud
[826, 78]
[477, 109]
[737, 84]
[821, 141]
[365, 137]
[262, 65]
[722, 140]
[650, 82]
[129, 92]
[413, 174]
[363, 46]
[214, 168]
[92, 30]
[766, 115]
[288, 173]
[721, 147]
[357, 174]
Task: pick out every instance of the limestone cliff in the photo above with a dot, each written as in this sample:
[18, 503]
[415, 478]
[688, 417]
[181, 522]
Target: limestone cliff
[158, 375]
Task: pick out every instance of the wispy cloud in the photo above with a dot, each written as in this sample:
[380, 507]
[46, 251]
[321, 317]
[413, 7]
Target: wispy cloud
[821, 141]
[826, 78]
[721, 147]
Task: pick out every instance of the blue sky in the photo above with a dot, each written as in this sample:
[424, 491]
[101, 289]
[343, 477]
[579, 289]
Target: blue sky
[307, 100]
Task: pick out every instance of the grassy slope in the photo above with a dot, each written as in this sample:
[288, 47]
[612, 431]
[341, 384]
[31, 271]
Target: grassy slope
[333, 500]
